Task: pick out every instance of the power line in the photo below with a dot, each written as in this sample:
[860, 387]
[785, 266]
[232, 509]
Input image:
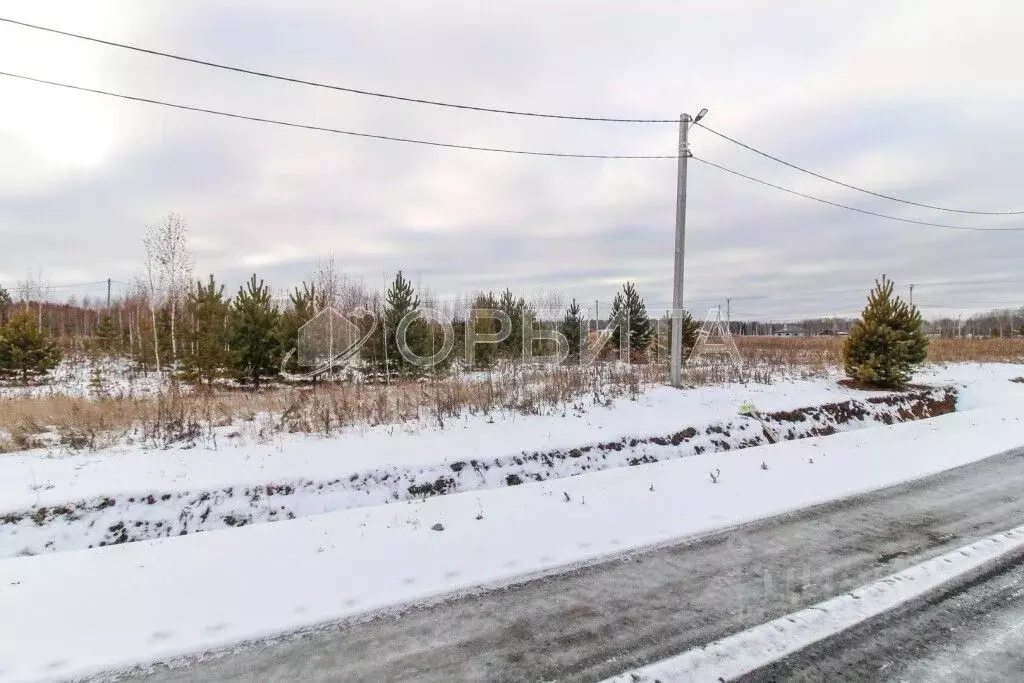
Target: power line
[291, 124]
[76, 285]
[492, 110]
[854, 187]
[339, 88]
[851, 208]
[849, 290]
[476, 148]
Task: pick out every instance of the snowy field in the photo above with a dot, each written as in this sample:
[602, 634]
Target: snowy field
[53, 504]
[92, 378]
[156, 600]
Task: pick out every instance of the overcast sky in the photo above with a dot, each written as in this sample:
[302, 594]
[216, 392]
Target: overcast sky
[923, 100]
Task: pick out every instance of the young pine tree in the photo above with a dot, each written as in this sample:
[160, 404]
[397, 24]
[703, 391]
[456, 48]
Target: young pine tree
[573, 327]
[629, 313]
[484, 354]
[254, 341]
[401, 300]
[5, 305]
[107, 335]
[25, 350]
[519, 314]
[887, 343]
[691, 330]
[211, 332]
[304, 304]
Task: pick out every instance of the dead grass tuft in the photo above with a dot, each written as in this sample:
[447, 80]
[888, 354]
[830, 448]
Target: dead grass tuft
[184, 418]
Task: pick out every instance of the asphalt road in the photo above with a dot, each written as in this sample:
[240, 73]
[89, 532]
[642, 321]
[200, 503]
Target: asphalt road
[968, 632]
[604, 619]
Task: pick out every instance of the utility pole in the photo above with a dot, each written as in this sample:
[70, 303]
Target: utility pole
[728, 314]
[677, 279]
[911, 293]
[108, 292]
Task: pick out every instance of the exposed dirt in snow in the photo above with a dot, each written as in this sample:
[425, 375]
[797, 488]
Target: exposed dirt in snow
[153, 514]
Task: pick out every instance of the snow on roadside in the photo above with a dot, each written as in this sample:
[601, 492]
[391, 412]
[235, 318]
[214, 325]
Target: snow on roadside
[749, 650]
[123, 605]
[32, 477]
[145, 514]
[978, 384]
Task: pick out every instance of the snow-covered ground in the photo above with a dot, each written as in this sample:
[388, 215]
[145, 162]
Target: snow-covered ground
[157, 600]
[57, 504]
[92, 378]
[754, 648]
[76, 613]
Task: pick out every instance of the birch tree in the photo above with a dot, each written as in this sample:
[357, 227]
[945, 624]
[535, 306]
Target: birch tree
[34, 288]
[169, 265]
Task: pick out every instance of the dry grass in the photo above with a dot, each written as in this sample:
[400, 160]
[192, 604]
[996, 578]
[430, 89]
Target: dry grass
[177, 417]
[828, 350]
[987, 350]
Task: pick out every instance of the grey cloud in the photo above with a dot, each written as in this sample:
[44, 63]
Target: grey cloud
[802, 82]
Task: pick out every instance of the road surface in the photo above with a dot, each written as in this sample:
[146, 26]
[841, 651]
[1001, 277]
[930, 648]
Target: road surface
[971, 632]
[601, 620]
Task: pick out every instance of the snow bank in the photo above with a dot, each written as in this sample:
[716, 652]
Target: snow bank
[78, 613]
[755, 648]
[107, 518]
[978, 384]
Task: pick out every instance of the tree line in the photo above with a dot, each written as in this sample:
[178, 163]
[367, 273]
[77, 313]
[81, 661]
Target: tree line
[171, 321]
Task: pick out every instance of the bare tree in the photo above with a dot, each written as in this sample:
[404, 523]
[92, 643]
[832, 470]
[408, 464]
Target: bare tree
[327, 282]
[152, 283]
[547, 299]
[169, 265]
[34, 288]
[336, 289]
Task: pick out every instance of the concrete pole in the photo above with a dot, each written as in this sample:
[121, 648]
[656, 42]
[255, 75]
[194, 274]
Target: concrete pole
[677, 279]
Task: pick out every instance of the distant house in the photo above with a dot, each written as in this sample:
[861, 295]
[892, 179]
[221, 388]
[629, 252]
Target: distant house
[786, 333]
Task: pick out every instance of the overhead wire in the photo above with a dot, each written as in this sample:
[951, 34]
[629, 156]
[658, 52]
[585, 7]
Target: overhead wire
[492, 110]
[851, 208]
[324, 129]
[850, 186]
[329, 86]
[478, 148]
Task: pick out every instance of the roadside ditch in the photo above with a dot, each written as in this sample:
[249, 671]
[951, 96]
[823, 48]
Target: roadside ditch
[154, 514]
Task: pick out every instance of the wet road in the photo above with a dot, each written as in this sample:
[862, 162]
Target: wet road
[601, 620]
[972, 631]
